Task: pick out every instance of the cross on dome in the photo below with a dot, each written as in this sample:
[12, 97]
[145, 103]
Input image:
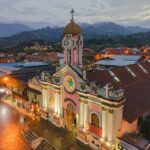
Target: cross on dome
[72, 13]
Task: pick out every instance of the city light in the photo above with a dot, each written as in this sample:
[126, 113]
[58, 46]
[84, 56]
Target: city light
[2, 90]
[4, 111]
[5, 78]
[21, 120]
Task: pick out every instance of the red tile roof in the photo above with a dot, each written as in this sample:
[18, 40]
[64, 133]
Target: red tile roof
[137, 89]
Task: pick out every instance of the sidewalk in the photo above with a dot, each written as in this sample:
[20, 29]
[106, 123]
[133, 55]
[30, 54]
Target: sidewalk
[21, 110]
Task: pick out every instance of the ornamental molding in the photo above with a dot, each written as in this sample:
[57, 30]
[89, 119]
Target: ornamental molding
[110, 111]
[104, 108]
[68, 99]
[85, 102]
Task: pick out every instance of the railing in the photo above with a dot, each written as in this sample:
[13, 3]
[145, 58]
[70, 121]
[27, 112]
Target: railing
[113, 95]
[34, 86]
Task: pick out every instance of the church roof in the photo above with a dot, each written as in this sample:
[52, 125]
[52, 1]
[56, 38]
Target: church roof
[72, 28]
[135, 80]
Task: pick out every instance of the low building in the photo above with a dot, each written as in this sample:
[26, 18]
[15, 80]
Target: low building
[48, 57]
[7, 57]
[15, 77]
[122, 51]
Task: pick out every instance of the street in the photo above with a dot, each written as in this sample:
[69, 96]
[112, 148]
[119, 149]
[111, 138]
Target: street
[11, 121]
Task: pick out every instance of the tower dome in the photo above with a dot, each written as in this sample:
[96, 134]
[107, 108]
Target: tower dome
[72, 28]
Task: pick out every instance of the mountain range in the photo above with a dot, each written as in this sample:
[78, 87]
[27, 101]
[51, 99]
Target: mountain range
[7, 30]
[24, 33]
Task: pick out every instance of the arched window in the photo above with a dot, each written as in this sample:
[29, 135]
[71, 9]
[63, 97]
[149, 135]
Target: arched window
[70, 107]
[94, 120]
[51, 102]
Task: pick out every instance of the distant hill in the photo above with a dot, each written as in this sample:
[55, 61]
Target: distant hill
[134, 40]
[55, 34]
[109, 28]
[44, 34]
[7, 30]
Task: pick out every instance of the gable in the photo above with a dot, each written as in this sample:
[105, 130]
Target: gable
[69, 70]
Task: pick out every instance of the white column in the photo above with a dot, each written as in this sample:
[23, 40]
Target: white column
[44, 103]
[85, 114]
[81, 114]
[66, 56]
[104, 123]
[110, 126]
[55, 103]
[58, 104]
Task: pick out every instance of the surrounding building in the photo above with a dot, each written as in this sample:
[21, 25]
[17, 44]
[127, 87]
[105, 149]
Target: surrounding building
[14, 78]
[122, 51]
[40, 47]
[6, 57]
[118, 60]
[48, 57]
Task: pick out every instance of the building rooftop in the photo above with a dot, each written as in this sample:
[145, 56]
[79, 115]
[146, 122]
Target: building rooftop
[24, 64]
[8, 69]
[119, 60]
[134, 140]
[110, 62]
[134, 79]
[126, 57]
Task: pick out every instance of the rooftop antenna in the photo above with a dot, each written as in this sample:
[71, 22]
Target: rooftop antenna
[72, 13]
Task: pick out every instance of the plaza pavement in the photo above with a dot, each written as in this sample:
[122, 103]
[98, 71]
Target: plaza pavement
[59, 137]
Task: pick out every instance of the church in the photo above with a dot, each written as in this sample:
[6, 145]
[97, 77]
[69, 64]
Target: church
[90, 102]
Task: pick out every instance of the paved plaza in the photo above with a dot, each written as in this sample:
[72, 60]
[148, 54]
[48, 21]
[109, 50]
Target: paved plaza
[12, 120]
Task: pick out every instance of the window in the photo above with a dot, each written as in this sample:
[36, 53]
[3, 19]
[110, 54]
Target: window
[94, 120]
[70, 106]
[69, 56]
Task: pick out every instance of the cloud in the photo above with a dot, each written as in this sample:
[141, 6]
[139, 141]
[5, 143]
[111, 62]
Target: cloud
[56, 12]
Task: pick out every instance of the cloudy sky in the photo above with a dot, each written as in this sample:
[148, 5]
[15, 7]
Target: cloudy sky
[56, 12]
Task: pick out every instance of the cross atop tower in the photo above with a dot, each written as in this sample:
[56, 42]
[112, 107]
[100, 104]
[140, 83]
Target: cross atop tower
[72, 13]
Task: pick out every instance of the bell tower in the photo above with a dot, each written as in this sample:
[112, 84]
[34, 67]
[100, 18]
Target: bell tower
[72, 42]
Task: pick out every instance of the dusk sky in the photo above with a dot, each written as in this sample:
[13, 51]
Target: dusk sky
[56, 12]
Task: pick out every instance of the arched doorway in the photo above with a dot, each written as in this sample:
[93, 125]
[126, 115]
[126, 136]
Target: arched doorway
[94, 120]
[70, 117]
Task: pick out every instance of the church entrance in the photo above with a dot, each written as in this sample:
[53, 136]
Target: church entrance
[70, 118]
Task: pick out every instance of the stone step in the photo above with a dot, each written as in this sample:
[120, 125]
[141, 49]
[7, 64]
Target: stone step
[28, 136]
[44, 145]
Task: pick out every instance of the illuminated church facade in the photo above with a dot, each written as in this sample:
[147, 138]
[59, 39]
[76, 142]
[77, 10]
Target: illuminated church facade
[70, 100]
